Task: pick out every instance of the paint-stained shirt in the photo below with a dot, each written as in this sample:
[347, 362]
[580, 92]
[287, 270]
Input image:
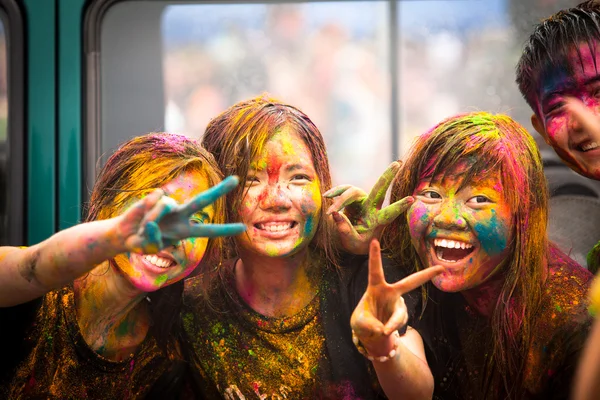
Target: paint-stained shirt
[61, 365]
[237, 353]
[457, 338]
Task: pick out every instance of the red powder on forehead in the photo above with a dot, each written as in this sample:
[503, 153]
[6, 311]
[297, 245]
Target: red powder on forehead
[273, 166]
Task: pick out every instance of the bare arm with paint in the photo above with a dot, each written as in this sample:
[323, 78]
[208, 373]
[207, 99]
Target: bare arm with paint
[146, 227]
[363, 218]
[375, 320]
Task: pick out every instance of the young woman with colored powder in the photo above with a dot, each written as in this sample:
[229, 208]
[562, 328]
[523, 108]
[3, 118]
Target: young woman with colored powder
[274, 320]
[107, 334]
[507, 319]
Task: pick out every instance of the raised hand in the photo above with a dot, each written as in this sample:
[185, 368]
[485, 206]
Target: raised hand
[158, 221]
[363, 218]
[382, 311]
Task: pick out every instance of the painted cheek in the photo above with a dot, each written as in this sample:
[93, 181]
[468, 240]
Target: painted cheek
[492, 233]
[556, 126]
[194, 252]
[248, 205]
[310, 207]
[419, 218]
[134, 270]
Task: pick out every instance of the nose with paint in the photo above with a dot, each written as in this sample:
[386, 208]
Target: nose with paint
[275, 198]
[451, 241]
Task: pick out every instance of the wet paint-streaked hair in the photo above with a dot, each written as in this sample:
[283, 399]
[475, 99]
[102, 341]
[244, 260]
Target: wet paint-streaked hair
[238, 135]
[137, 167]
[552, 41]
[491, 144]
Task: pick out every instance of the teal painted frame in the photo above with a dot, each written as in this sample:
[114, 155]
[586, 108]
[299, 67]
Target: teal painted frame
[70, 123]
[41, 119]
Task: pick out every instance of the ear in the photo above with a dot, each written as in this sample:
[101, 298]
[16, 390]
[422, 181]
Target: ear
[539, 126]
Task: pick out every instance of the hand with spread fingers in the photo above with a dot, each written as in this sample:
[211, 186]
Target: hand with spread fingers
[362, 218]
[382, 311]
[158, 221]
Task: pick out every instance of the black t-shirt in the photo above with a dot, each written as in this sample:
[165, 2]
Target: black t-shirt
[227, 327]
[16, 324]
[52, 360]
[457, 338]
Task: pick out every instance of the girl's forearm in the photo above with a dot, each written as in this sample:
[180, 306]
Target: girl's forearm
[27, 273]
[406, 375]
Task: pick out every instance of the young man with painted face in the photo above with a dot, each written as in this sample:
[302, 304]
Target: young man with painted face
[559, 76]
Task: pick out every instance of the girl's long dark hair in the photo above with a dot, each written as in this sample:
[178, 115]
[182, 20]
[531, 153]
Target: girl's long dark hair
[492, 144]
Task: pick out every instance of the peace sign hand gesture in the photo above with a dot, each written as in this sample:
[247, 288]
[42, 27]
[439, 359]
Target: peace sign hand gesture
[158, 221]
[382, 311]
[363, 219]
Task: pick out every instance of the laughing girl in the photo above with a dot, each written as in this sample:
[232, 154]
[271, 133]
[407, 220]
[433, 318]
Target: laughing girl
[507, 318]
[108, 333]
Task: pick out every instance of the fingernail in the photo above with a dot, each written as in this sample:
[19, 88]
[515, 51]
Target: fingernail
[336, 216]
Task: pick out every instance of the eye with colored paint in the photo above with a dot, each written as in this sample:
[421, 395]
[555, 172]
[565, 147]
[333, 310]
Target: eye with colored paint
[478, 200]
[300, 179]
[200, 218]
[430, 196]
[252, 180]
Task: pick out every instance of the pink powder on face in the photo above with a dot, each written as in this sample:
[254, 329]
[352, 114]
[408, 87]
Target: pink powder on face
[417, 217]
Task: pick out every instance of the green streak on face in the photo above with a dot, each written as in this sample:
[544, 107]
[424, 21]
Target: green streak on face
[161, 280]
[272, 249]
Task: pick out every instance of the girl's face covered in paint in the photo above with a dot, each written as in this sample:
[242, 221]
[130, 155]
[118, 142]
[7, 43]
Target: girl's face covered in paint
[150, 272]
[466, 229]
[282, 198]
[574, 144]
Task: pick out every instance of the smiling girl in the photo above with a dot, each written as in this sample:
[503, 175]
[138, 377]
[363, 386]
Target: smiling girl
[274, 321]
[108, 333]
[507, 318]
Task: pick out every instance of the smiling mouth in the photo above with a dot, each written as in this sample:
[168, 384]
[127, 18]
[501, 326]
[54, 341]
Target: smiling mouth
[588, 146]
[451, 251]
[275, 226]
[159, 262]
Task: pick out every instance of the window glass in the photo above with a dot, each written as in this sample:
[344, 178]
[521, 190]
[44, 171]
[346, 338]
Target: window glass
[330, 59]
[462, 58]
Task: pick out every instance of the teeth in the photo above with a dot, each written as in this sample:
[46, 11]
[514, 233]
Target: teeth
[590, 146]
[451, 244]
[275, 226]
[158, 261]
